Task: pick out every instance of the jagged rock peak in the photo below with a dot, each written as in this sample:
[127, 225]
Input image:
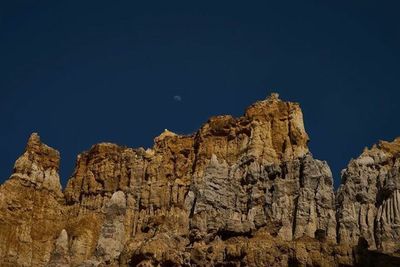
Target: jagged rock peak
[273, 97]
[46, 156]
[34, 140]
[282, 125]
[241, 191]
[31, 204]
[164, 134]
[39, 165]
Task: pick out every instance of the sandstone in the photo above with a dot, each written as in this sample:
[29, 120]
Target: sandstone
[60, 255]
[240, 191]
[31, 207]
[39, 166]
[112, 236]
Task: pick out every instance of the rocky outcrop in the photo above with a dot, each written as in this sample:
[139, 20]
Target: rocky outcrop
[31, 207]
[369, 198]
[38, 167]
[239, 192]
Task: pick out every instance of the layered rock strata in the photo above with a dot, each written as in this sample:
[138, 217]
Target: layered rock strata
[239, 192]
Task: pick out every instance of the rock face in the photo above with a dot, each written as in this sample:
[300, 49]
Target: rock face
[369, 198]
[112, 236]
[60, 255]
[31, 205]
[239, 192]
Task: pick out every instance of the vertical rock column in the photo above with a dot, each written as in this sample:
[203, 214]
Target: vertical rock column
[368, 198]
[112, 236]
[31, 207]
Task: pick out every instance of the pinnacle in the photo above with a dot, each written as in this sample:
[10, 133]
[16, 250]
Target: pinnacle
[34, 140]
[164, 134]
[273, 96]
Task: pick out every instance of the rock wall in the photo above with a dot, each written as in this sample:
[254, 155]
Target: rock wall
[239, 192]
[369, 198]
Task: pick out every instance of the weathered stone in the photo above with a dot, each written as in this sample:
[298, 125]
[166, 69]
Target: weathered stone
[239, 199]
[369, 198]
[239, 192]
[112, 236]
[31, 207]
[60, 254]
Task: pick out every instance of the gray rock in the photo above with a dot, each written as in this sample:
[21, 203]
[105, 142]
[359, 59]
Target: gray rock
[369, 199]
[60, 255]
[112, 237]
[239, 192]
[295, 197]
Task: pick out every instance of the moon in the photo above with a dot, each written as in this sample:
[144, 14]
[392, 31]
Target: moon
[177, 98]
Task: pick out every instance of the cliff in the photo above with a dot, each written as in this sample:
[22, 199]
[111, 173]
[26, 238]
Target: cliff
[239, 192]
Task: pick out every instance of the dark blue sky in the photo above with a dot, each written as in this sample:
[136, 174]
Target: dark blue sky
[82, 72]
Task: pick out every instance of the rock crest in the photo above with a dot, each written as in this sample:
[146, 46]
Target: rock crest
[38, 166]
[239, 192]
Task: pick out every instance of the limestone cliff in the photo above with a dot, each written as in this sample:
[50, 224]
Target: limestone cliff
[239, 192]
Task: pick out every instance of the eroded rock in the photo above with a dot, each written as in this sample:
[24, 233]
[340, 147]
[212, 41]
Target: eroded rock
[239, 192]
[369, 198]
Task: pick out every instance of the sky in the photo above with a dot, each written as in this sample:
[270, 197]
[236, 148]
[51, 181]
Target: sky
[83, 72]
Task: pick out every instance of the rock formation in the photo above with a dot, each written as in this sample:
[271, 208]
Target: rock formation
[369, 198]
[31, 205]
[239, 192]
